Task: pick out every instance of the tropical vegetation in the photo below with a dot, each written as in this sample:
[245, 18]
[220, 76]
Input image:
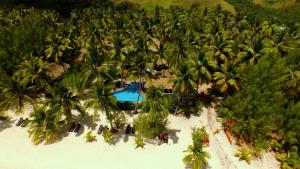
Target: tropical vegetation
[197, 157]
[65, 63]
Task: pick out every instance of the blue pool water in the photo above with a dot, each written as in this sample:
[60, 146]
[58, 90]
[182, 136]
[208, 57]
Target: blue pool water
[129, 94]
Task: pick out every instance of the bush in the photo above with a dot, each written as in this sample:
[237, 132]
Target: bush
[149, 126]
[196, 157]
[139, 142]
[244, 154]
[200, 136]
[108, 137]
[90, 137]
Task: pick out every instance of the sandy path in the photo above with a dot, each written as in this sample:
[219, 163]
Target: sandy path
[222, 152]
[17, 151]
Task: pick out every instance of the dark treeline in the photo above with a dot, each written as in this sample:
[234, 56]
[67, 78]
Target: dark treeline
[254, 65]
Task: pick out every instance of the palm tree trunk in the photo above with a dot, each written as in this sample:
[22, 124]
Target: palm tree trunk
[108, 116]
[179, 101]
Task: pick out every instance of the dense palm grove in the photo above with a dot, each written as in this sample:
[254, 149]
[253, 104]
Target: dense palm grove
[253, 65]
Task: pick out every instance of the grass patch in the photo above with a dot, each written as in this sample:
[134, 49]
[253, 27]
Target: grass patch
[276, 4]
[287, 13]
[151, 4]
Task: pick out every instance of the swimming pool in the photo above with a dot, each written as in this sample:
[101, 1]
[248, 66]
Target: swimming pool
[129, 94]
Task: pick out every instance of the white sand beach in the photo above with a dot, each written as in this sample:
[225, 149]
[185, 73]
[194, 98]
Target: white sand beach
[72, 152]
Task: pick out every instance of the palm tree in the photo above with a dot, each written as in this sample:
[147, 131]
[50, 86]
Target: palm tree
[57, 47]
[220, 48]
[34, 71]
[101, 98]
[156, 102]
[94, 67]
[45, 124]
[14, 95]
[140, 59]
[64, 101]
[184, 80]
[196, 157]
[203, 66]
[247, 48]
[227, 79]
[120, 50]
[177, 52]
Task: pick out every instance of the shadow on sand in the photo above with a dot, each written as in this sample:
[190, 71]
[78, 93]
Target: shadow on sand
[173, 135]
[4, 124]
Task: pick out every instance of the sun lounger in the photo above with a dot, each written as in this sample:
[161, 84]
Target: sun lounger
[100, 130]
[25, 122]
[21, 120]
[128, 129]
[78, 127]
[72, 128]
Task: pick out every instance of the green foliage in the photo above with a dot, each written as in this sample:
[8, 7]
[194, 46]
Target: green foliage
[253, 63]
[259, 109]
[155, 111]
[101, 98]
[64, 101]
[156, 103]
[197, 157]
[21, 39]
[286, 15]
[244, 154]
[108, 136]
[44, 125]
[252, 107]
[119, 120]
[34, 71]
[199, 135]
[139, 142]
[227, 79]
[148, 125]
[90, 137]
[14, 95]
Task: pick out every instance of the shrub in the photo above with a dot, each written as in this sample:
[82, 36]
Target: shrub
[200, 136]
[196, 157]
[108, 137]
[149, 126]
[244, 154]
[139, 142]
[90, 137]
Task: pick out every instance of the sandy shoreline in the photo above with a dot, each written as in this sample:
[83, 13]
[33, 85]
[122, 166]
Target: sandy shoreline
[72, 152]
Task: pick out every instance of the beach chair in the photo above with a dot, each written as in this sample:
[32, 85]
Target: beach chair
[25, 122]
[128, 129]
[21, 120]
[78, 127]
[100, 130]
[72, 128]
